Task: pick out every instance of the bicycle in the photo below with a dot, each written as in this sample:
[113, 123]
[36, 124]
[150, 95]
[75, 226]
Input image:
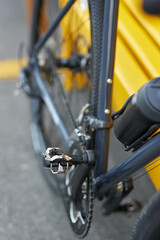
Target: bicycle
[68, 66]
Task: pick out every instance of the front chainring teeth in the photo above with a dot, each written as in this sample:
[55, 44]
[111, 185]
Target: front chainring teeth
[80, 219]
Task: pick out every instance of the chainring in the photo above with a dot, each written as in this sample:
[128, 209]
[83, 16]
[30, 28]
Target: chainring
[79, 213]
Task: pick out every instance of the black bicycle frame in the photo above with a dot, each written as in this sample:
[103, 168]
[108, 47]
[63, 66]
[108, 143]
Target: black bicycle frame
[103, 180]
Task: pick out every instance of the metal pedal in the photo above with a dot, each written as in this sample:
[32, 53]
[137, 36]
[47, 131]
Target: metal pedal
[56, 160]
[59, 162]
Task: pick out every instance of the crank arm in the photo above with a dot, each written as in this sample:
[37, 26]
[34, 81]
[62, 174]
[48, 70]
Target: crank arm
[80, 174]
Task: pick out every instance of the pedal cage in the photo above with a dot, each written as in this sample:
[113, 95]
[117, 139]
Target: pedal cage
[56, 160]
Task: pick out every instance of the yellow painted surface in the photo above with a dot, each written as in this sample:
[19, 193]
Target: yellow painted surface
[126, 80]
[10, 69]
[75, 31]
[139, 43]
[150, 23]
[137, 58]
[154, 172]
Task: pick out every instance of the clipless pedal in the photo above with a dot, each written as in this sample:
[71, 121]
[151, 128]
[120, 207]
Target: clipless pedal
[59, 162]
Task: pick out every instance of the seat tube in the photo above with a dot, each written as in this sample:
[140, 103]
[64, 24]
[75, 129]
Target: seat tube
[104, 109]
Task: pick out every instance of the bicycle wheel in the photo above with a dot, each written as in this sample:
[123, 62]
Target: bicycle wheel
[79, 83]
[70, 66]
[147, 225]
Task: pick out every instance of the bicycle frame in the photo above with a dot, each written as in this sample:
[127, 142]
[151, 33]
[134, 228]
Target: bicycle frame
[103, 181]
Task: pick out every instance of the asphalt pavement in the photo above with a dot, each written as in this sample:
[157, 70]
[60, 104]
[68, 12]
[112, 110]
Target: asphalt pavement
[29, 209]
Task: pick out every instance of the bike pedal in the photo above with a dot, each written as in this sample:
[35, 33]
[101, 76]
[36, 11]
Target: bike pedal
[56, 160]
[59, 162]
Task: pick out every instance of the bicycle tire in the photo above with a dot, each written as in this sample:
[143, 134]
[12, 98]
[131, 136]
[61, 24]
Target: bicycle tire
[96, 21]
[147, 225]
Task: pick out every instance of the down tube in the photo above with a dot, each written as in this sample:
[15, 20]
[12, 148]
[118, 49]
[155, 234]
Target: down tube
[138, 159]
[106, 81]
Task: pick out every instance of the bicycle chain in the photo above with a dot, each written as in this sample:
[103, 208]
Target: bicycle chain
[90, 177]
[91, 205]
